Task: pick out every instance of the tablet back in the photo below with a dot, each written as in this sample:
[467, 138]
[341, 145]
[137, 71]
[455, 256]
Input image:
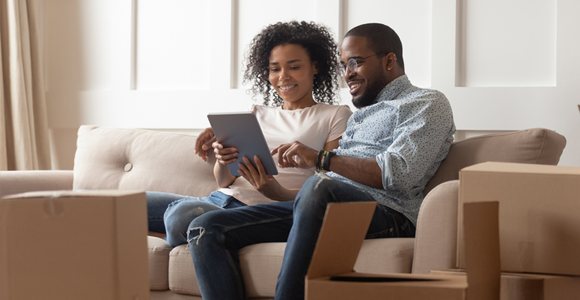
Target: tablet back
[242, 130]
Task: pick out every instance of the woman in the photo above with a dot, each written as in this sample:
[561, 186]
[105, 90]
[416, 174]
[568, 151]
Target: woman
[294, 66]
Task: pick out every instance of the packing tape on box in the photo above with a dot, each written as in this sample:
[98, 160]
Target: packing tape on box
[53, 207]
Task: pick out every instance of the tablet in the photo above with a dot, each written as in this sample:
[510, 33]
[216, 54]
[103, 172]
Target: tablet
[242, 130]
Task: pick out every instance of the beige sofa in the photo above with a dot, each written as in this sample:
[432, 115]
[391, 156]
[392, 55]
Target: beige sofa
[109, 158]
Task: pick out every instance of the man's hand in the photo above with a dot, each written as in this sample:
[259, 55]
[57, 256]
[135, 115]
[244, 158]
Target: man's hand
[296, 155]
[204, 142]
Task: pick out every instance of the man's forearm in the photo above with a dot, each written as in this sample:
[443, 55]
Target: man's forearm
[361, 170]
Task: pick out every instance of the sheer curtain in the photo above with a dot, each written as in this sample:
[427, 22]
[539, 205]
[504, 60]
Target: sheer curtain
[24, 142]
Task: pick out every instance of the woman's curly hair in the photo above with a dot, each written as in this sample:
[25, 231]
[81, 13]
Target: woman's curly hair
[320, 46]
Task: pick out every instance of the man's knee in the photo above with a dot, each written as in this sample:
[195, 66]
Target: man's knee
[316, 183]
[320, 185]
[316, 192]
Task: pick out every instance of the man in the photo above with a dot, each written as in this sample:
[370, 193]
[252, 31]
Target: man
[391, 148]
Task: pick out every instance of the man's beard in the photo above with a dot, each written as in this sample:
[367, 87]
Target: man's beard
[371, 92]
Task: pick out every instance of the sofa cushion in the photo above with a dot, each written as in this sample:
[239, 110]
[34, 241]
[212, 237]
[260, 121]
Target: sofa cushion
[135, 159]
[158, 263]
[182, 277]
[531, 146]
[261, 263]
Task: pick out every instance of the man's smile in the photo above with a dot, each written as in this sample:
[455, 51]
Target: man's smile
[354, 86]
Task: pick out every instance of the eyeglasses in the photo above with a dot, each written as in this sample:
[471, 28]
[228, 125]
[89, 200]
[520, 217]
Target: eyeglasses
[352, 64]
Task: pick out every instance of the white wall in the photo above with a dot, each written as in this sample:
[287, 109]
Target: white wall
[164, 64]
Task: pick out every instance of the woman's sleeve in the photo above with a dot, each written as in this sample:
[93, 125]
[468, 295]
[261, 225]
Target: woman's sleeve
[338, 122]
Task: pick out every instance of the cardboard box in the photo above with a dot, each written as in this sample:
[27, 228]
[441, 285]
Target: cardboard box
[525, 286]
[539, 214]
[331, 275]
[74, 245]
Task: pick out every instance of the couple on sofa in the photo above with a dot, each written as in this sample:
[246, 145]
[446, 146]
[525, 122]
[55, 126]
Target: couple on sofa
[385, 152]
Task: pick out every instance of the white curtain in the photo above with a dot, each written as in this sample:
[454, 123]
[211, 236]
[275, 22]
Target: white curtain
[24, 141]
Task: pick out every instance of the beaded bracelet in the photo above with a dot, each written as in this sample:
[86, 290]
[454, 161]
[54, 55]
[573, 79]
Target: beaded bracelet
[319, 160]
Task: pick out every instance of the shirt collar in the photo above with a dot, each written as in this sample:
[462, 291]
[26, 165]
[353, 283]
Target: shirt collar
[394, 88]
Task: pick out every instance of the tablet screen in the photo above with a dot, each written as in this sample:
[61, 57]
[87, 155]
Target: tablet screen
[242, 130]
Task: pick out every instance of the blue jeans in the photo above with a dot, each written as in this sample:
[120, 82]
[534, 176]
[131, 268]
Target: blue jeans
[222, 233]
[171, 213]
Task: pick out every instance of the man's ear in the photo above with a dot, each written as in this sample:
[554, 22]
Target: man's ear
[389, 61]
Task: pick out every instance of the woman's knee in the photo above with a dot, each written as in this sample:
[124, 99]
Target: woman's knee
[157, 204]
[207, 220]
[179, 215]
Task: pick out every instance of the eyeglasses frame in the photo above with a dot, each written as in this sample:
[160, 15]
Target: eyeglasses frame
[352, 64]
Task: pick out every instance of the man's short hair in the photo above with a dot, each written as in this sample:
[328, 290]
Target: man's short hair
[381, 39]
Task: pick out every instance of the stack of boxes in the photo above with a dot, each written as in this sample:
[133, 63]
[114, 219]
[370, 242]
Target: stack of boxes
[539, 219]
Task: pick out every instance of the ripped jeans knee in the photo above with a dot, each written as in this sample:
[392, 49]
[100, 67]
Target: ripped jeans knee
[195, 234]
[315, 193]
[321, 178]
[179, 216]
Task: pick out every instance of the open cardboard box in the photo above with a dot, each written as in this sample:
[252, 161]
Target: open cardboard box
[331, 274]
[525, 286]
[74, 245]
[539, 216]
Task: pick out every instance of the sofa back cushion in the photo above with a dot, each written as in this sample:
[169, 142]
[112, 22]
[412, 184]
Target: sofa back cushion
[135, 159]
[532, 146]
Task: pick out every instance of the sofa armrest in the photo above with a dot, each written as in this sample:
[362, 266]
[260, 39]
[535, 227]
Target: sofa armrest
[436, 234]
[15, 182]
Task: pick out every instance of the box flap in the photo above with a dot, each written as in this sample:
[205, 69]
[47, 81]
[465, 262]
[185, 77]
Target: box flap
[341, 236]
[387, 286]
[342, 233]
[481, 235]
